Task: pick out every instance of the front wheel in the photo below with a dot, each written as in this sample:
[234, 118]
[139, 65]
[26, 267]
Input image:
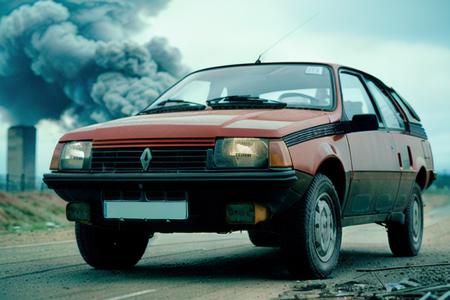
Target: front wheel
[406, 239]
[107, 248]
[311, 239]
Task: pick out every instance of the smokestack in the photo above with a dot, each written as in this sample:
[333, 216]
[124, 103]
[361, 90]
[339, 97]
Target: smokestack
[21, 163]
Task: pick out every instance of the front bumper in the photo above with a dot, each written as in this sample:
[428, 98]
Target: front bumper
[66, 180]
[208, 193]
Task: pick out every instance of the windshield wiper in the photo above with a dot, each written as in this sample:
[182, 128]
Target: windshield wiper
[175, 105]
[240, 101]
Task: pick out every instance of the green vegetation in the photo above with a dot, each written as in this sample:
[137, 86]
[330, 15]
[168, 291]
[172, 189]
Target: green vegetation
[436, 198]
[29, 211]
[442, 182]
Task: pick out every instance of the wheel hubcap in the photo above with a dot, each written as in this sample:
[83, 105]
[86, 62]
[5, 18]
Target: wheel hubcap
[325, 228]
[416, 220]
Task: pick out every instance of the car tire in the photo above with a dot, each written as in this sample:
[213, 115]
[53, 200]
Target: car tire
[264, 238]
[406, 239]
[106, 248]
[311, 241]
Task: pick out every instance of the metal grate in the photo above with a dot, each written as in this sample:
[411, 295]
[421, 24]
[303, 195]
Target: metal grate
[128, 159]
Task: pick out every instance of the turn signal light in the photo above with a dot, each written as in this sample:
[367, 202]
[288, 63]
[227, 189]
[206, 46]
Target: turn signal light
[54, 164]
[279, 155]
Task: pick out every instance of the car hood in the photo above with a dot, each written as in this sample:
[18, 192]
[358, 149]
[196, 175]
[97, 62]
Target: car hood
[203, 124]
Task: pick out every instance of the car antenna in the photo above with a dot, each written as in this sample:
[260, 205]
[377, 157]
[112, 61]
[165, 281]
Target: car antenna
[258, 60]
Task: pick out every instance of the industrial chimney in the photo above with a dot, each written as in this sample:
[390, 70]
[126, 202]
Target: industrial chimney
[21, 165]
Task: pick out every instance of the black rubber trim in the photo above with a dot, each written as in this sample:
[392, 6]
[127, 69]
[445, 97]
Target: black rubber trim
[337, 128]
[52, 179]
[313, 133]
[417, 130]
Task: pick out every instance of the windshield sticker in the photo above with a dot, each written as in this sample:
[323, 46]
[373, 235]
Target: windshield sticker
[314, 70]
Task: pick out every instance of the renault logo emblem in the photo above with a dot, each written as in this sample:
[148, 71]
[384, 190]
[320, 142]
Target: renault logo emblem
[146, 158]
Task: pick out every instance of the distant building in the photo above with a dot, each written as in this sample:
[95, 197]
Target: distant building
[21, 165]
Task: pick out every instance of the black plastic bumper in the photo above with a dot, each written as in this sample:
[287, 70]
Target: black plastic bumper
[208, 192]
[71, 180]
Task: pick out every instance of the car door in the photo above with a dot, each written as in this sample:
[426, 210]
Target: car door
[375, 177]
[395, 125]
[411, 144]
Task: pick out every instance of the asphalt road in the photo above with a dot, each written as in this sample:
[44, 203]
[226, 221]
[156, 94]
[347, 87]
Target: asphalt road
[207, 266]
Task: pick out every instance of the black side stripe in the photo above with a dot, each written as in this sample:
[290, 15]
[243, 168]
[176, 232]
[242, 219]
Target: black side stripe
[335, 129]
[417, 130]
[313, 133]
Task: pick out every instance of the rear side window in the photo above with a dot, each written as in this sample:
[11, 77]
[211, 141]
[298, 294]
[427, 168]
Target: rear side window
[355, 97]
[409, 111]
[391, 115]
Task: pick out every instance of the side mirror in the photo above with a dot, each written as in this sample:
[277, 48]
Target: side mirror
[365, 122]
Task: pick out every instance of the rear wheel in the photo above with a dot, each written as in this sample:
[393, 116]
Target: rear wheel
[106, 248]
[406, 239]
[264, 238]
[311, 240]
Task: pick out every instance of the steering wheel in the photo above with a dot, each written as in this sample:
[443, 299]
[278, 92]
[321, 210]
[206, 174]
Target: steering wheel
[292, 95]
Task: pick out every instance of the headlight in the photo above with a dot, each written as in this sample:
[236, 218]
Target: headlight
[241, 153]
[76, 156]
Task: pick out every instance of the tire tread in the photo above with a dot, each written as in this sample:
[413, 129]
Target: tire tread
[299, 255]
[400, 235]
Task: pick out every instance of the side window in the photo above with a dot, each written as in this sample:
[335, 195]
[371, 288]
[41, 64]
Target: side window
[356, 100]
[409, 111]
[389, 112]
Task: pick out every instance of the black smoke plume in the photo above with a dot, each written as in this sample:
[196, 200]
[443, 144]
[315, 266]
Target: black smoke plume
[72, 60]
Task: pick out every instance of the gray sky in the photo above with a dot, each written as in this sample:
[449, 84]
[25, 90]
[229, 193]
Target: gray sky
[404, 43]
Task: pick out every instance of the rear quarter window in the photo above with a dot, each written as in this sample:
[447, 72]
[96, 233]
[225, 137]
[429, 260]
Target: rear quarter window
[406, 107]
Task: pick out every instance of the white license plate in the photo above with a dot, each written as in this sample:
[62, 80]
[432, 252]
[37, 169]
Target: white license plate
[140, 210]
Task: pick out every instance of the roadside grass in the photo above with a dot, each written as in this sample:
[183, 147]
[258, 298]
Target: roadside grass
[35, 211]
[30, 211]
[435, 198]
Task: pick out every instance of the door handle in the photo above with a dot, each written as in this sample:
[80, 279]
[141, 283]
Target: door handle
[410, 156]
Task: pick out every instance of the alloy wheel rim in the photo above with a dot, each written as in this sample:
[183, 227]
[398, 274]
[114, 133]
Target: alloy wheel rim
[324, 228]
[416, 219]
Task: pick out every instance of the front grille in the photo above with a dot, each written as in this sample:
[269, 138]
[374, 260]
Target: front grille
[129, 159]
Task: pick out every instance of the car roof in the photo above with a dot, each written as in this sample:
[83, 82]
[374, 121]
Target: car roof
[271, 63]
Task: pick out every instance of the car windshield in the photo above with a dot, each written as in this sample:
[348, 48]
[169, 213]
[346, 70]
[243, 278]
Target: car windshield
[297, 85]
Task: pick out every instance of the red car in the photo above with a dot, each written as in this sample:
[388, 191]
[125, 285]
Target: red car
[291, 152]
